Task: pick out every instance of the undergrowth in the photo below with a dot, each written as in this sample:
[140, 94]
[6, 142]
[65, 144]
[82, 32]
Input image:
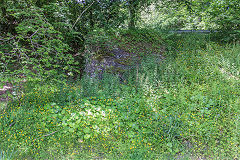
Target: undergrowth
[186, 106]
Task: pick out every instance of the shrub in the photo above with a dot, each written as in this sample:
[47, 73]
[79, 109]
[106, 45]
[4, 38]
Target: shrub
[33, 47]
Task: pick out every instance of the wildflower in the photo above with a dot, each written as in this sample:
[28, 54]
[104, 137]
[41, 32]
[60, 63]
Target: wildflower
[103, 113]
[89, 112]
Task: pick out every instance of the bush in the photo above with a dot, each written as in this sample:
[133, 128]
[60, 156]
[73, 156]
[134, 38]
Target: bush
[34, 48]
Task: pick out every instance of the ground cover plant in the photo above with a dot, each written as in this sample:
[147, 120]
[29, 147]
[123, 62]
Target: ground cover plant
[185, 106]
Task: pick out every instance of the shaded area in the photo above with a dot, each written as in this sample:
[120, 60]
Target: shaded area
[119, 54]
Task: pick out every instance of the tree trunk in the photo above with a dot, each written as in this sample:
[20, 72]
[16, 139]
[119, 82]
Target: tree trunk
[91, 18]
[3, 8]
[132, 15]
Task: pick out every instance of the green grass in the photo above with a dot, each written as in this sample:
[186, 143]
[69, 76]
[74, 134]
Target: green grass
[186, 107]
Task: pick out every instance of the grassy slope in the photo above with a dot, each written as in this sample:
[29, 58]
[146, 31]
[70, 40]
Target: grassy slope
[186, 106]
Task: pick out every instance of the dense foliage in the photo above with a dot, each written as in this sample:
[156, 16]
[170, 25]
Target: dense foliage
[35, 46]
[66, 23]
[39, 42]
[178, 100]
[222, 16]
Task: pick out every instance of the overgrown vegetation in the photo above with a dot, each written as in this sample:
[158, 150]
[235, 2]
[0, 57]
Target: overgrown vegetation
[183, 105]
[186, 106]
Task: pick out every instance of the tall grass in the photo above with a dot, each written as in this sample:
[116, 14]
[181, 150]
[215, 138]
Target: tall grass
[6, 155]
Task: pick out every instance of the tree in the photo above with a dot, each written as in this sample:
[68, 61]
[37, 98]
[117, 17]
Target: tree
[224, 14]
[134, 7]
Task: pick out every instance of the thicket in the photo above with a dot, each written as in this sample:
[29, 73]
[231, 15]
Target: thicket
[39, 43]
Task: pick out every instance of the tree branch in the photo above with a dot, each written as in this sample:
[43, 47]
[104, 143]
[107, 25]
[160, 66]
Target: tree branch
[82, 14]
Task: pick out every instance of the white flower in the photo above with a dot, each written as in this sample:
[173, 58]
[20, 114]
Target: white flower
[82, 113]
[89, 112]
[103, 114]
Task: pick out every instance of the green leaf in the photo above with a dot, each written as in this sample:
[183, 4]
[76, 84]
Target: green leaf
[176, 150]
[79, 133]
[46, 129]
[63, 112]
[169, 144]
[71, 130]
[87, 136]
[86, 130]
